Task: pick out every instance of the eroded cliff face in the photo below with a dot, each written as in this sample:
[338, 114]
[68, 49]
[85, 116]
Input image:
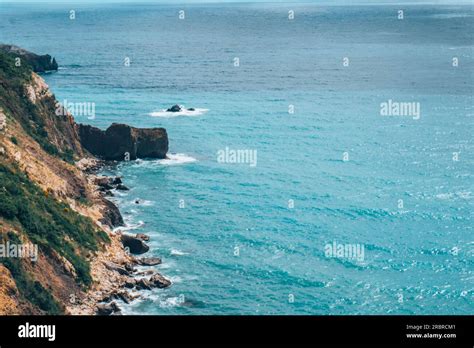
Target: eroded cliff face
[47, 199]
[37, 62]
[120, 141]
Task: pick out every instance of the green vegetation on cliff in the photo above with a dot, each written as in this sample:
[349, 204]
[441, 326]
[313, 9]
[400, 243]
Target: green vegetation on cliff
[14, 101]
[35, 215]
[50, 224]
[29, 288]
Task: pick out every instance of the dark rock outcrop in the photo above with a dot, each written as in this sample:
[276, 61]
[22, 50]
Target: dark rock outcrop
[107, 308]
[175, 108]
[121, 142]
[158, 281]
[122, 187]
[143, 284]
[116, 268]
[112, 216]
[38, 63]
[135, 245]
[106, 183]
[143, 237]
[155, 281]
[149, 261]
[130, 283]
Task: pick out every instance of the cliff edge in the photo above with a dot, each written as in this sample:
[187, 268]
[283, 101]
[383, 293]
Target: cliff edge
[50, 204]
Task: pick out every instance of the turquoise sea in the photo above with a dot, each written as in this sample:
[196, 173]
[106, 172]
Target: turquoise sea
[242, 239]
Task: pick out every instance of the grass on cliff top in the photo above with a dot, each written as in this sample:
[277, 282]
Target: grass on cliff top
[14, 101]
[46, 222]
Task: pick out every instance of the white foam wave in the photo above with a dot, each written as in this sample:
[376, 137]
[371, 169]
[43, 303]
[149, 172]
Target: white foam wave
[184, 112]
[177, 252]
[129, 227]
[177, 158]
[143, 202]
[171, 302]
[176, 279]
[450, 15]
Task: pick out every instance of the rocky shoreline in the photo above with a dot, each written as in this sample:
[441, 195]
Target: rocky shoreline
[119, 280]
[86, 270]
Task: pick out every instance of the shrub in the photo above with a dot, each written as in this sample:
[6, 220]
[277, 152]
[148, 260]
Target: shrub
[49, 223]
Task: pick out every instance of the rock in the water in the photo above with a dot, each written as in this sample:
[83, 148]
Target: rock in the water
[191, 109]
[149, 261]
[136, 245]
[117, 181]
[122, 187]
[108, 193]
[103, 181]
[143, 284]
[157, 280]
[121, 142]
[107, 308]
[38, 63]
[142, 236]
[175, 108]
[124, 296]
[145, 273]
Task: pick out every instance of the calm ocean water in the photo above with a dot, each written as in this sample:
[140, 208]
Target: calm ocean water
[237, 246]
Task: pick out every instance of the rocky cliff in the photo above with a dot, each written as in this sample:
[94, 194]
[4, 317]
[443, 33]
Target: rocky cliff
[121, 141]
[50, 199]
[38, 63]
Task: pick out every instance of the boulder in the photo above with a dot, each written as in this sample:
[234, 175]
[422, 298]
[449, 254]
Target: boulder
[143, 237]
[117, 180]
[129, 267]
[116, 268]
[122, 187]
[111, 214]
[124, 296]
[107, 308]
[108, 193]
[143, 284]
[103, 181]
[122, 142]
[149, 261]
[145, 273]
[158, 281]
[130, 283]
[174, 108]
[136, 245]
